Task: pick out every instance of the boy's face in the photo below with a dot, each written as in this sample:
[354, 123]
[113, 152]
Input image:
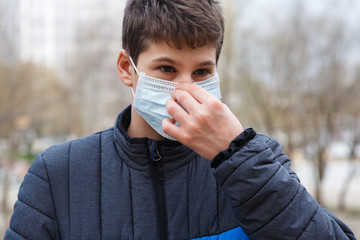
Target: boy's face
[188, 65]
[159, 60]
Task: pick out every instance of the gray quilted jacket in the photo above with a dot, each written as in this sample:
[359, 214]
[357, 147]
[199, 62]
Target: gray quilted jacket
[108, 186]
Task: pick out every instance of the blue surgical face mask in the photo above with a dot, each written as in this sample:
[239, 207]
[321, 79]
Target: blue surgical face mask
[152, 93]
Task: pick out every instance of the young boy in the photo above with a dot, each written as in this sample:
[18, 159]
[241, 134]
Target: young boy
[177, 164]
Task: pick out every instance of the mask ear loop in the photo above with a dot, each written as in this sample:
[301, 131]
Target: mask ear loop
[132, 63]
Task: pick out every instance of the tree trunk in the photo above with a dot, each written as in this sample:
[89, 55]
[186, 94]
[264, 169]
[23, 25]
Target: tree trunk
[346, 184]
[349, 177]
[320, 169]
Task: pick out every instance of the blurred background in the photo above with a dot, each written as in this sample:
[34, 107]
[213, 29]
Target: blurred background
[290, 69]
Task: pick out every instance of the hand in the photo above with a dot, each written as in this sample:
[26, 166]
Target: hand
[207, 126]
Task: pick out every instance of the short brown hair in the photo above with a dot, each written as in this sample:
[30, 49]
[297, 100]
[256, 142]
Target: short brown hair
[194, 22]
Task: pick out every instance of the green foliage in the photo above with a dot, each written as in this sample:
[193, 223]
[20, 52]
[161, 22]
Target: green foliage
[26, 157]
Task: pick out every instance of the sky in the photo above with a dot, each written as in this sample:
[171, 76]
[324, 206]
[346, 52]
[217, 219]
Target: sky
[256, 13]
[264, 17]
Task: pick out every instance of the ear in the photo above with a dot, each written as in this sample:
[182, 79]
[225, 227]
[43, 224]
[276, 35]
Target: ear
[123, 67]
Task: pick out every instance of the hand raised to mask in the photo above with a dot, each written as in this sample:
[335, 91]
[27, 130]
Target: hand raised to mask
[207, 126]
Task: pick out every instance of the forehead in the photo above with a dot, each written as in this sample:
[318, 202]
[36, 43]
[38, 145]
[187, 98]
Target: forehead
[185, 54]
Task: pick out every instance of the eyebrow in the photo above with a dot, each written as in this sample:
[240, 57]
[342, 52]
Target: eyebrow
[172, 61]
[164, 59]
[206, 63]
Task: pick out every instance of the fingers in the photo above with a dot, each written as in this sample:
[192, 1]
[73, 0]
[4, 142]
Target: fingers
[169, 127]
[197, 92]
[185, 106]
[206, 124]
[176, 111]
[186, 100]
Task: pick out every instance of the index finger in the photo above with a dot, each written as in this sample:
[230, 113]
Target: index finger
[200, 94]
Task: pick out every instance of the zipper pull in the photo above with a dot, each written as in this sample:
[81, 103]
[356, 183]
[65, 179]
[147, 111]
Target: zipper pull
[156, 160]
[156, 154]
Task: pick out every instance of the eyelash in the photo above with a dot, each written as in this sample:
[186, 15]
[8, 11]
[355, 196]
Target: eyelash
[170, 69]
[205, 71]
[162, 68]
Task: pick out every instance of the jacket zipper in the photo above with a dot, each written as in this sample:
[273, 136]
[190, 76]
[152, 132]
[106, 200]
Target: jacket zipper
[158, 178]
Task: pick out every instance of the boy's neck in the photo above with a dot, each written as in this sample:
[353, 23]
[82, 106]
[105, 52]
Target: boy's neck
[139, 128]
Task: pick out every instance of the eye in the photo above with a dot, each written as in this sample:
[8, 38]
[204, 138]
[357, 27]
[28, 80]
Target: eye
[167, 69]
[202, 72]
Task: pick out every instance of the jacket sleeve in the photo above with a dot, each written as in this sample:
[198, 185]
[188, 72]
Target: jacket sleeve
[268, 198]
[34, 215]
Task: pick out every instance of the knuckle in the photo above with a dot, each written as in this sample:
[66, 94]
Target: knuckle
[164, 124]
[181, 97]
[192, 88]
[166, 127]
[188, 139]
[171, 108]
[203, 117]
[215, 104]
[192, 127]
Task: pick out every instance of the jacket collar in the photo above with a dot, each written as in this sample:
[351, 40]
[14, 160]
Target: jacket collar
[137, 152]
